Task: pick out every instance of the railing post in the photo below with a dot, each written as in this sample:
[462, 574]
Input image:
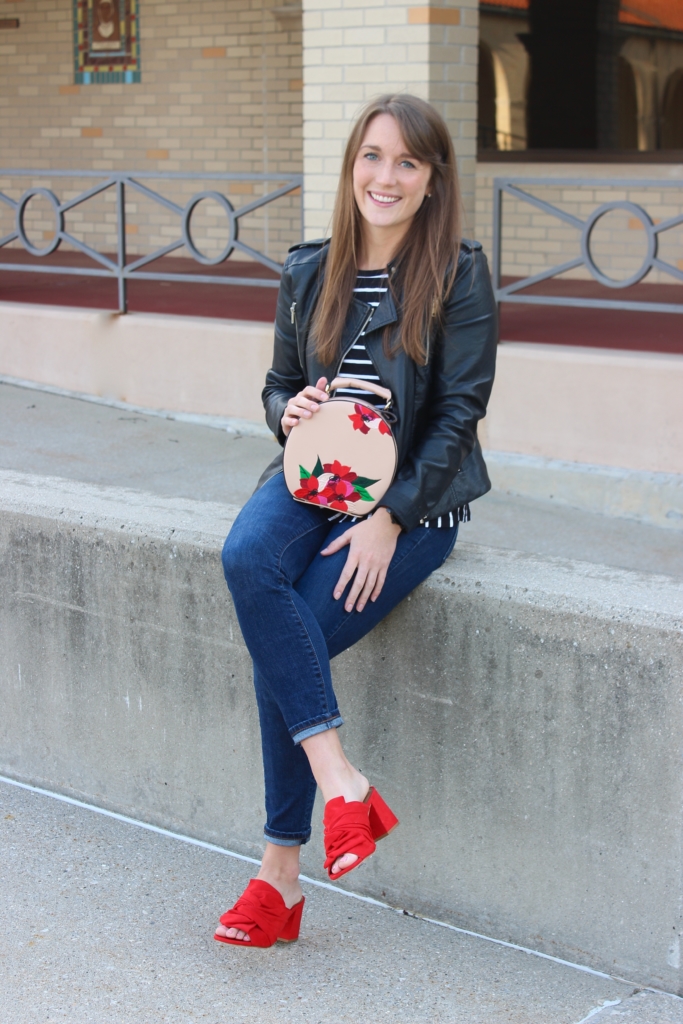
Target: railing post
[121, 244]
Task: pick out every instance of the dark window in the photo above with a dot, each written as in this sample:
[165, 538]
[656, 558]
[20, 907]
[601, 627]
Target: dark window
[672, 112]
[628, 107]
[487, 137]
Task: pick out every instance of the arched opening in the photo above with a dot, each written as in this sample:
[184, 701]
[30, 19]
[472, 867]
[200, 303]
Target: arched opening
[672, 112]
[628, 107]
[486, 127]
[503, 108]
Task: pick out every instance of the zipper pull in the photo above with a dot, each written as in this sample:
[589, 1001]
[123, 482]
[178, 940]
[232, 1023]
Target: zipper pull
[293, 311]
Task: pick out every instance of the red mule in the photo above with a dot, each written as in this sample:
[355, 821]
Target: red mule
[261, 913]
[355, 827]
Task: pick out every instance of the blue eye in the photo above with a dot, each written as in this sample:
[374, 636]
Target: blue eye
[371, 156]
[407, 163]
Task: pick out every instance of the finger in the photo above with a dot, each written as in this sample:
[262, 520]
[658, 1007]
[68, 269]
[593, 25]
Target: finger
[368, 588]
[346, 575]
[379, 584]
[321, 385]
[356, 588]
[304, 402]
[338, 544]
[311, 392]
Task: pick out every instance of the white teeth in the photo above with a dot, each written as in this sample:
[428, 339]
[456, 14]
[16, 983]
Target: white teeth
[384, 199]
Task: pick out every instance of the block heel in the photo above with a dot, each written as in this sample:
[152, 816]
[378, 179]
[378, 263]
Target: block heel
[382, 818]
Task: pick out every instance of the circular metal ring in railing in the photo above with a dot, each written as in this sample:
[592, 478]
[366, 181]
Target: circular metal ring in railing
[59, 221]
[209, 261]
[647, 223]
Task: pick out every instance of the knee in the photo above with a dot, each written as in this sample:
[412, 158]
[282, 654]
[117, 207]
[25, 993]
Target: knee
[234, 557]
[243, 553]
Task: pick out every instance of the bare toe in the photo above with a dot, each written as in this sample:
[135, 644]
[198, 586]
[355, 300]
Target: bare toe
[232, 933]
[344, 862]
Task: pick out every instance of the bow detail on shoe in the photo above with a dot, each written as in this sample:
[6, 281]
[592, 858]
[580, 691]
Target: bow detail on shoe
[261, 913]
[347, 830]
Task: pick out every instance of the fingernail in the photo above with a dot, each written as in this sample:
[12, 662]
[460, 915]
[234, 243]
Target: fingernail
[349, 607]
[337, 595]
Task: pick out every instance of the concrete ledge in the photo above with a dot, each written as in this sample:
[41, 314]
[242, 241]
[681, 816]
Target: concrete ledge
[524, 716]
[654, 498]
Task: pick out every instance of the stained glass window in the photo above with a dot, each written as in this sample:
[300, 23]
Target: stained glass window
[106, 41]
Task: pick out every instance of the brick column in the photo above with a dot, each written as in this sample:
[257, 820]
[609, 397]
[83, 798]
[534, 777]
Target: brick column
[356, 49]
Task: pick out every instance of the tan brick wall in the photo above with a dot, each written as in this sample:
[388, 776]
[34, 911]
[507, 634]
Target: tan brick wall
[221, 91]
[357, 49]
[533, 240]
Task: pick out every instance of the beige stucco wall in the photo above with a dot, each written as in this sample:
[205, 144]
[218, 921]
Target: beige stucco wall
[183, 364]
[596, 406]
[534, 240]
[576, 404]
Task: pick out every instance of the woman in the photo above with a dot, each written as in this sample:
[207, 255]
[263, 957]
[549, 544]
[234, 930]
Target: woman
[394, 297]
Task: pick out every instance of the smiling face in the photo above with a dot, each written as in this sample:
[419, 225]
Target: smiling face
[389, 183]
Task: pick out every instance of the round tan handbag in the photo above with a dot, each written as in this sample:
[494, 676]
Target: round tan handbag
[344, 457]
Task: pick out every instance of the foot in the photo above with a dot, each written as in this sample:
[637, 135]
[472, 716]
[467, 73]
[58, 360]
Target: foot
[280, 868]
[356, 787]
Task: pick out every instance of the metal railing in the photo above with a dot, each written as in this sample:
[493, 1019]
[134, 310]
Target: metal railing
[118, 267]
[586, 227]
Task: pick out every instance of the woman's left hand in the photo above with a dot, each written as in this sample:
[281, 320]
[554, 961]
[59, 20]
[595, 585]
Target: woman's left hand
[372, 544]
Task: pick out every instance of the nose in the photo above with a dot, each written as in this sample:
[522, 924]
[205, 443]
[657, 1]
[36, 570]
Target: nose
[386, 173]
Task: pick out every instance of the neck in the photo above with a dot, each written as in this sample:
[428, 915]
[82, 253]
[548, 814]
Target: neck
[379, 245]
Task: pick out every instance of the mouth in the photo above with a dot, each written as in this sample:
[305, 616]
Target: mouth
[382, 199]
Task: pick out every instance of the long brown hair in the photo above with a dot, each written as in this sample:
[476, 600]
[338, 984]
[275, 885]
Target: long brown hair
[426, 262]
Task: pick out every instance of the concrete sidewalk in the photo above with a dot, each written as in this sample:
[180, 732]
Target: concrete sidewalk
[52, 435]
[106, 922]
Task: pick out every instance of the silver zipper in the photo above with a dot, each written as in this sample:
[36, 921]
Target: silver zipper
[362, 328]
[292, 310]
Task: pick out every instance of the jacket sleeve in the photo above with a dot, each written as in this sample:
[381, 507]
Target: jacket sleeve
[461, 382]
[285, 377]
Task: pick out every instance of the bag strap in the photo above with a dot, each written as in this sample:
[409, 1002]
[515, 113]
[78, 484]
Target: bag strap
[361, 385]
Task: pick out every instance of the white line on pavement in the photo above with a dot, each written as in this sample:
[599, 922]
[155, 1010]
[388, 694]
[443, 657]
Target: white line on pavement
[333, 888]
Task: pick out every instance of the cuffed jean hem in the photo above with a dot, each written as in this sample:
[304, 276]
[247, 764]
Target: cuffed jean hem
[313, 730]
[279, 841]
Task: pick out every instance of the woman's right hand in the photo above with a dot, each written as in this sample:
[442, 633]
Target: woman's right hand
[303, 405]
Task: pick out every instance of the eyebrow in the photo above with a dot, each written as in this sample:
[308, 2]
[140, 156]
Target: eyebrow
[409, 156]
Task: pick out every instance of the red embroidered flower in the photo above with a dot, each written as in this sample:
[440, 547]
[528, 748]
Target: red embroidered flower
[309, 491]
[364, 418]
[339, 472]
[339, 491]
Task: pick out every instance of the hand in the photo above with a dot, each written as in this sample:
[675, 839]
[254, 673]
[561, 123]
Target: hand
[371, 547]
[303, 405]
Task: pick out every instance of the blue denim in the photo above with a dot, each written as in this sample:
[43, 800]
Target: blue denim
[282, 589]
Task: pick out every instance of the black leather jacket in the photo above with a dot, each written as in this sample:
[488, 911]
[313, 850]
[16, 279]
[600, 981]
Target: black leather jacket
[438, 406]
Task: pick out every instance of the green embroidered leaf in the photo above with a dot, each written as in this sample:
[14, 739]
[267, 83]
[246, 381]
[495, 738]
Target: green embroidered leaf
[363, 481]
[303, 473]
[318, 469]
[364, 495]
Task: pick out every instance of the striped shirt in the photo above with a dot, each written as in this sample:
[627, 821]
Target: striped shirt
[370, 287]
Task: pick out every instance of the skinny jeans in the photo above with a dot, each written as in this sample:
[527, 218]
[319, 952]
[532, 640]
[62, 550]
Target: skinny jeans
[282, 589]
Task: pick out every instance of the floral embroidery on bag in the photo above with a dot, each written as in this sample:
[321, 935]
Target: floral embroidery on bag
[333, 485]
[365, 419]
